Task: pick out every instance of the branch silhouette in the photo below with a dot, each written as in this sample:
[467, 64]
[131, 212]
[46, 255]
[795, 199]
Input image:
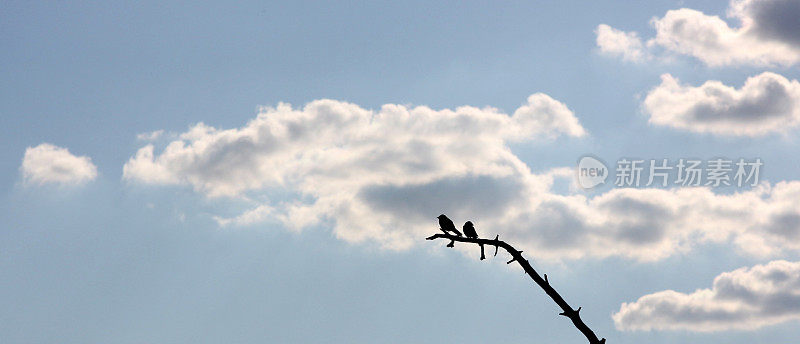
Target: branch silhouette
[572, 314]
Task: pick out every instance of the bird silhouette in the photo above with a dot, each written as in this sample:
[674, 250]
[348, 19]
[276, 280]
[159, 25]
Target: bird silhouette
[469, 230]
[446, 225]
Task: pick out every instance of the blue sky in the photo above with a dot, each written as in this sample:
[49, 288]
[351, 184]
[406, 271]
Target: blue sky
[333, 249]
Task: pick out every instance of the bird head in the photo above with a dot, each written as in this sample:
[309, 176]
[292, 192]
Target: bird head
[441, 216]
[468, 224]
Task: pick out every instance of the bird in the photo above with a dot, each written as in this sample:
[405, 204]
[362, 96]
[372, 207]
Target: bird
[469, 230]
[446, 225]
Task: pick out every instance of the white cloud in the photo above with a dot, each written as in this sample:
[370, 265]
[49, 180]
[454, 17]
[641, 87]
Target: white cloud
[260, 214]
[772, 20]
[652, 224]
[49, 164]
[615, 42]
[340, 162]
[766, 103]
[150, 136]
[544, 116]
[383, 176]
[333, 141]
[768, 35]
[743, 299]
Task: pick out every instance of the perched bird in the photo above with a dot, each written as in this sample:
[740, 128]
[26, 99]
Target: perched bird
[469, 230]
[446, 225]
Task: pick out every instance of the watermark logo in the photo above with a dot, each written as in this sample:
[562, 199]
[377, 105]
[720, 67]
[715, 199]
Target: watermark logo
[591, 172]
[713, 173]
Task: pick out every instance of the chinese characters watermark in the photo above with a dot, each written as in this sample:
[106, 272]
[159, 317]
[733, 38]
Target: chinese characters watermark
[718, 172]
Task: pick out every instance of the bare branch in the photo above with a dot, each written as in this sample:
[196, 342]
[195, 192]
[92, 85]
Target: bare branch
[572, 314]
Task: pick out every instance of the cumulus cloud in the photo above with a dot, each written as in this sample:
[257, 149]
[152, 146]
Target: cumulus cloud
[743, 299]
[774, 20]
[615, 42]
[766, 103]
[383, 176]
[49, 164]
[768, 35]
[345, 158]
[150, 136]
[333, 141]
[652, 224]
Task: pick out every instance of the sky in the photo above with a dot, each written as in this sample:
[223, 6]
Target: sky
[196, 172]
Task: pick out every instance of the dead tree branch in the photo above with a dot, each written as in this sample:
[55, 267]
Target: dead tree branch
[572, 314]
